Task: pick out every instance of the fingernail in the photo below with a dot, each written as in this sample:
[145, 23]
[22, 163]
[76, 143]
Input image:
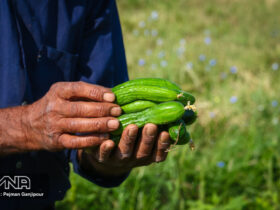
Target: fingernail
[164, 140]
[116, 111]
[132, 132]
[110, 97]
[113, 124]
[158, 159]
[104, 136]
[150, 131]
[124, 156]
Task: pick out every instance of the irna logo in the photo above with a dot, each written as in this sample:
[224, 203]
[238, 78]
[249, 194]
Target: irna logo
[16, 182]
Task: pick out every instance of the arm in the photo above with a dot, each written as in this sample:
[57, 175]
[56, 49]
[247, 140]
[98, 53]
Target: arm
[12, 131]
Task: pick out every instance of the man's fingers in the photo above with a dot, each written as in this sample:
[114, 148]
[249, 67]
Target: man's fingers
[73, 90]
[89, 125]
[147, 141]
[126, 144]
[162, 145]
[90, 109]
[77, 142]
[105, 150]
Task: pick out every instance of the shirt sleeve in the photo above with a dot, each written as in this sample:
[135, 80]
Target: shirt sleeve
[101, 61]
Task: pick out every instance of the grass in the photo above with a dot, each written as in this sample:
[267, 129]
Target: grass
[236, 164]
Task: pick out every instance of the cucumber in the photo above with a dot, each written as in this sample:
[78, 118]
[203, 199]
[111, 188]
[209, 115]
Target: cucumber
[115, 139]
[160, 114]
[151, 93]
[178, 132]
[137, 106]
[190, 114]
[148, 81]
[185, 97]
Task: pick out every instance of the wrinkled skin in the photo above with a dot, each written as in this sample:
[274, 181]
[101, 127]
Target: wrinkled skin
[77, 115]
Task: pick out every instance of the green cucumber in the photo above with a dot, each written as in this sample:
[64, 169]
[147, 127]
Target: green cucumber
[148, 81]
[151, 93]
[115, 139]
[178, 132]
[190, 115]
[137, 106]
[160, 114]
[185, 97]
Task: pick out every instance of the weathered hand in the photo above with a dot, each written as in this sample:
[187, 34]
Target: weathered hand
[69, 108]
[130, 152]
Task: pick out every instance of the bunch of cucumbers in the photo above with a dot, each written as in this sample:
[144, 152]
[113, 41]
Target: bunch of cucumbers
[158, 101]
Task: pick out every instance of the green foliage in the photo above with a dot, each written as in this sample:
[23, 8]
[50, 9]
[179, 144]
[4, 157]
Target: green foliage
[236, 163]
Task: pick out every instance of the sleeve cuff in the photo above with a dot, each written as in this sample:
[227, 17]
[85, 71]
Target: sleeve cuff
[94, 177]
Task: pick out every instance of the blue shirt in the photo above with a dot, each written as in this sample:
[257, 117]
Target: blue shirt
[43, 42]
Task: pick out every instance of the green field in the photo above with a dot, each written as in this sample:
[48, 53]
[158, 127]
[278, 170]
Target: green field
[227, 53]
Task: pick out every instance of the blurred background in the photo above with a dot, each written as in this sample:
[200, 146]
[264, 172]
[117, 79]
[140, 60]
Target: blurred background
[227, 54]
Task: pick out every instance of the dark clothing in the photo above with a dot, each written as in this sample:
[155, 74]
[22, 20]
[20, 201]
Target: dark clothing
[46, 41]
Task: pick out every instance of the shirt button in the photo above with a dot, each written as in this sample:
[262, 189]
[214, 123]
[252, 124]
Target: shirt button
[18, 164]
[24, 103]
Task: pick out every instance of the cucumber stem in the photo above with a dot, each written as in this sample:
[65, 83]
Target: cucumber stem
[180, 95]
[172, 146]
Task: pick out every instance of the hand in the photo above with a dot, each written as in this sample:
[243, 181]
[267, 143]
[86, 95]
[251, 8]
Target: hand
[69, 108]
[109, 160]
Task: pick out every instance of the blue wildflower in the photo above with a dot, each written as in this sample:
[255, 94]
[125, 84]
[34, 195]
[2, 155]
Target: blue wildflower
[142, 24]
[233, 99]
[275, 66]
[207, 40]
[141, 62]
[182, 42]
[181, 50]
[202, 57]
[212, 62]
[159, 41]
[274, 103]
[233, 69]
[221, 164]
[212, 115]
[161, 54]
[154, 15]
[163, 63]
[154, 32]
[189, 66]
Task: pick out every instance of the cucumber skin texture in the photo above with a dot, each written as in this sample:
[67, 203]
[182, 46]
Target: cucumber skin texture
[137, 106]
[179, 128]
[144, 92]
[148, 81]
[151, 93]
[160, 114]
[189, 116]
